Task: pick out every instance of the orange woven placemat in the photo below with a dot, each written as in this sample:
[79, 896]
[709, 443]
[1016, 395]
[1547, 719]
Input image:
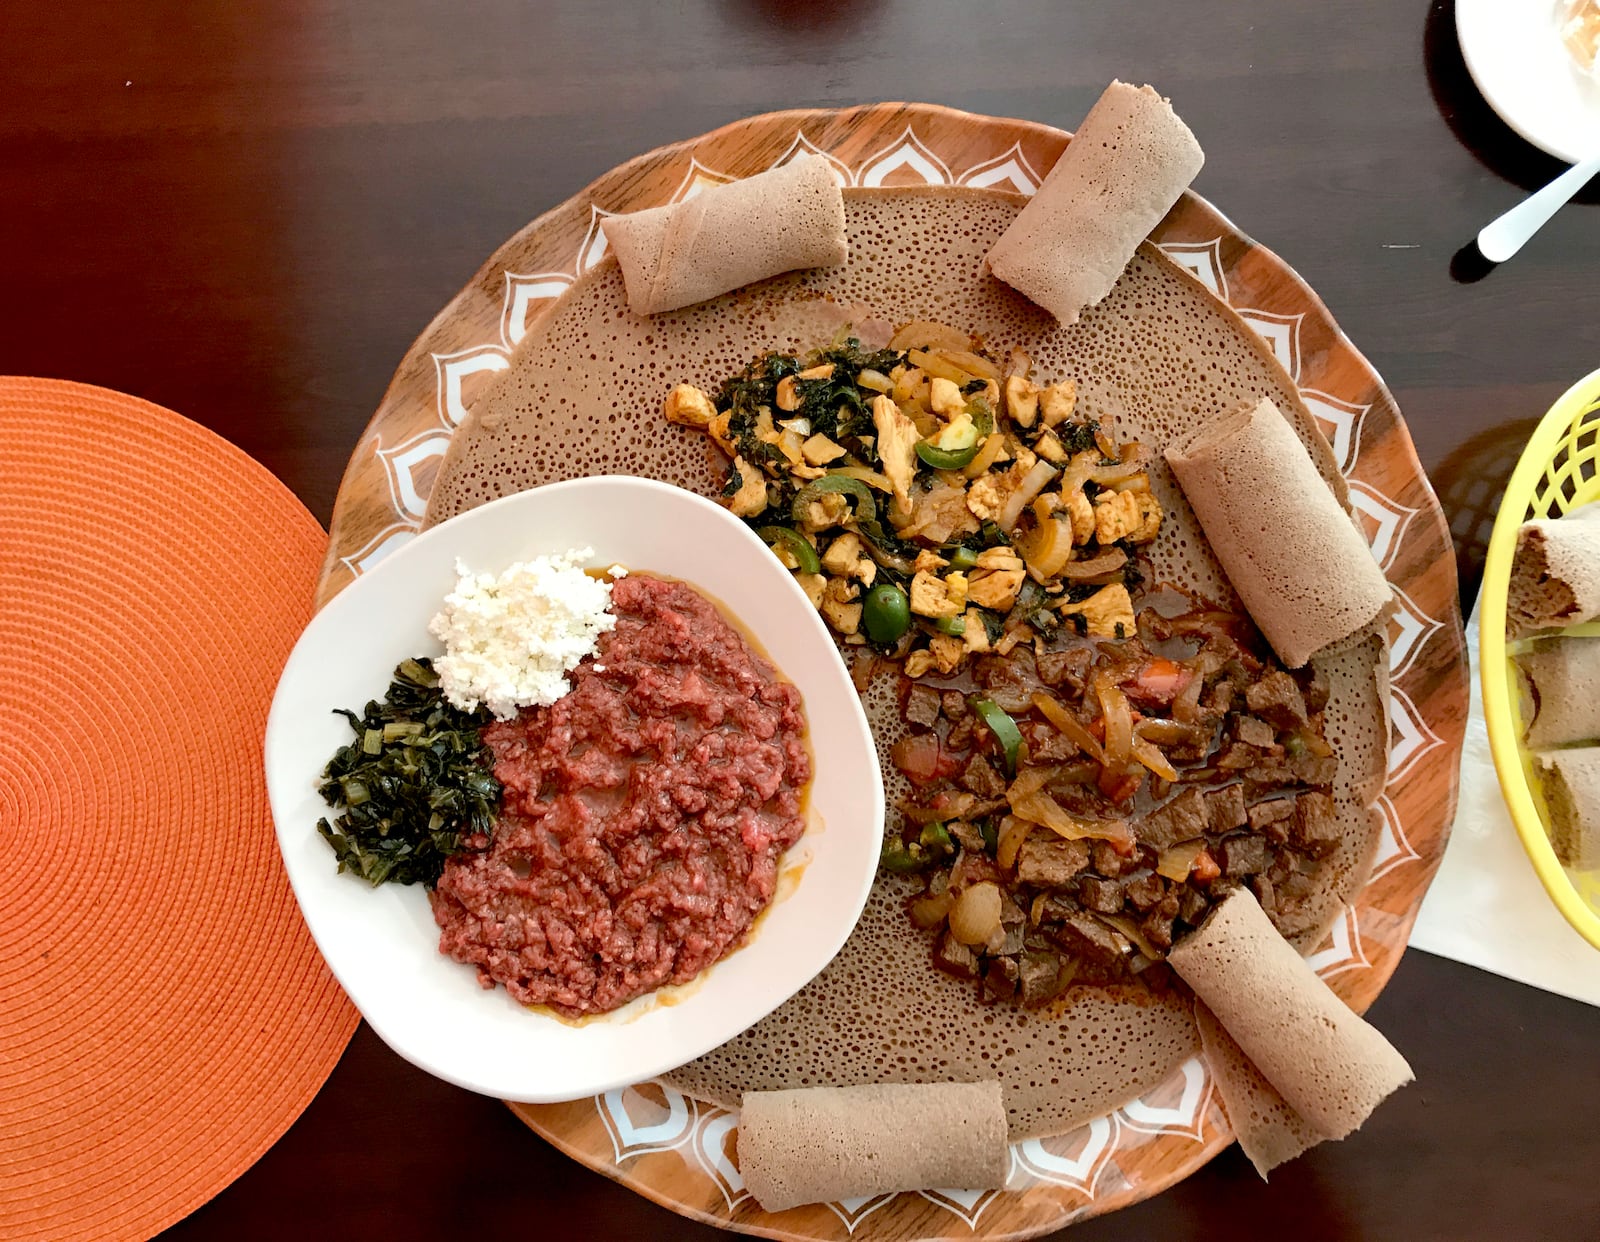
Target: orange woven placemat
[164, 1014]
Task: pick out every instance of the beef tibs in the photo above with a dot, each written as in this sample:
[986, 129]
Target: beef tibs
[1114, 790]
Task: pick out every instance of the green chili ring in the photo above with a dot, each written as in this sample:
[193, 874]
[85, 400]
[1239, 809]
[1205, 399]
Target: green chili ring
[795, 544]
[1003, 727]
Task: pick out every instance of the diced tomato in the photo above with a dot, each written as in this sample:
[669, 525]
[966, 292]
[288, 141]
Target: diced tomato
[1205, 868]
[925, 758]
[1157, 682]
[1120, 786]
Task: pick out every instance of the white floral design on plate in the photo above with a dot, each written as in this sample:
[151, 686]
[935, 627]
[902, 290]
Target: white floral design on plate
[523, 292]
[1281, 333]
[399, 463]
[1341, 948]
[1409, 631]
[711, 1152]
[1007, 171]
[1203, 261]
[1074, 1160]
[1341, 423]
[910, 153]
[804, 146]
[638, 1122]
[853, 1211]
[454, 369]
[593, 248]
[378, 547]
[1411, 738]
[1383, 519]
[1158, 1112]
[699, 179]
[967, 1204]
[1393, 847]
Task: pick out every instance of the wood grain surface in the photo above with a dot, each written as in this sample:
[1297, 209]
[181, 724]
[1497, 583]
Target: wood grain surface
[247, 212]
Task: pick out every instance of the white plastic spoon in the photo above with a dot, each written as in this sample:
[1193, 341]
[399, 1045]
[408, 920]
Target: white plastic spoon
[1503, 237]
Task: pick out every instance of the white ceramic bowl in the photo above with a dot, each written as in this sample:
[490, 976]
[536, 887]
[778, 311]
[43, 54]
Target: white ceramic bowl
[1514, 52]
[382, 943]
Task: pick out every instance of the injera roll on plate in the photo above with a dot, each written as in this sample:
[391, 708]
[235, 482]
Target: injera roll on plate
[1287, 541]
[785, 218]
[1326, 1066]
[1564, 677]
[822, 1144]
[1555, 573]
[1130, 161]
[1160, 356]
[1572, 791]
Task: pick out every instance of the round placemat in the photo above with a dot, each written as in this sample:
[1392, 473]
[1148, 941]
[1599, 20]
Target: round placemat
[164, 1014]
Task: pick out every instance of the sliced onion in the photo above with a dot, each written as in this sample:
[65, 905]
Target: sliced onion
[1153, 759]
[971, 363]
[1031, 780]
[876, 381]
[1018, 363]
[1069, 726]
[1119, 721]
[1049, 548]
[1045, 811]
[928, 334]
[1130, 929]
[929, 912]
[871, 478]
[1032, 484]
[975, 916]
[1178, 860]
[1013, 832]
[1186, 707]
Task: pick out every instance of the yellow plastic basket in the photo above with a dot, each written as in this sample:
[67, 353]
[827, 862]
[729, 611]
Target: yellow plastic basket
[1558, 471]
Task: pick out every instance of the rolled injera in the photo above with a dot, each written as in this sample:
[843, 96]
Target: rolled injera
[1572, 792]
[821, 1144]
[1315, 1070]
[1563, 677]
[1555, 572]
[777, 221]
[1129, 162]
[1287, 544]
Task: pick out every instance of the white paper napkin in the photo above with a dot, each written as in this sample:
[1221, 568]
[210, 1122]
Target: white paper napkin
[1486, 907]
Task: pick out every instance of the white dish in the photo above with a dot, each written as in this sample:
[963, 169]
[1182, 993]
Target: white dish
[1514, 52]
[382, 944]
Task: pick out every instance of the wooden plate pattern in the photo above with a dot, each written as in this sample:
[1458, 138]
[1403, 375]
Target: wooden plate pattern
[681, 1152]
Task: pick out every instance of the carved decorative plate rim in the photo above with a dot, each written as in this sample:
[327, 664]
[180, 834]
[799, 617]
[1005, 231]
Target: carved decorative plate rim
[675, 1150]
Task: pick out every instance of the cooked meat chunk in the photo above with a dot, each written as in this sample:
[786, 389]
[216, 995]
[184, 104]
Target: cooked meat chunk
[955, 958]
[1045, 745]
[967, 836]
[1314, 769]
[1000, 979]
[921, 705]
[1273, 818]
[1182, 819]
[1051, 862]
[1284, 865]
[1070, 668]
[1157, 929]
[1277, 699]
[1167, 907]
[1192, 906]
[1264, 778]
[981, 778]
[1261, 886]
[961, 733]
[1236, 756]
[1227, 808]
[1245, 854]
[1254, 732]
[1108, 862]
[1144, 891]
[1316, 827]
[1099, 894]
[954, 704]
[1036, 977]
[1314, 689]
[1087, 937]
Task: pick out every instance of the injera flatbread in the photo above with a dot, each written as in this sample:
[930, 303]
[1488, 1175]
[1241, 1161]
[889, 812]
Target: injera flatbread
[823, 1144]
[730, 235]
[1291, 548]
[583, 396]
[1572, 792]
[1326, 1064]
[1129, 162]
[1555, 572]
[1563, 675]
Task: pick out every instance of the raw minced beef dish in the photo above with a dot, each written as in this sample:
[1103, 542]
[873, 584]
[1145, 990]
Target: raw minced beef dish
[643, 815]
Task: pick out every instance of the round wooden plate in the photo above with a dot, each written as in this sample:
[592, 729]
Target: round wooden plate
[681, 1152]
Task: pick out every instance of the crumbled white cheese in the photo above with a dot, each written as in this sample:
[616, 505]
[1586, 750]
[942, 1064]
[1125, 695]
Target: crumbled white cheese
[510, 639]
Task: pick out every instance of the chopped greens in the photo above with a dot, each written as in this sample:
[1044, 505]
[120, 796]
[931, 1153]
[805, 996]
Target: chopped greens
[416, 784]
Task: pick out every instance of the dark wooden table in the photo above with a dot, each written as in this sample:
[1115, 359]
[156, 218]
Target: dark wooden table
[246, 211]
